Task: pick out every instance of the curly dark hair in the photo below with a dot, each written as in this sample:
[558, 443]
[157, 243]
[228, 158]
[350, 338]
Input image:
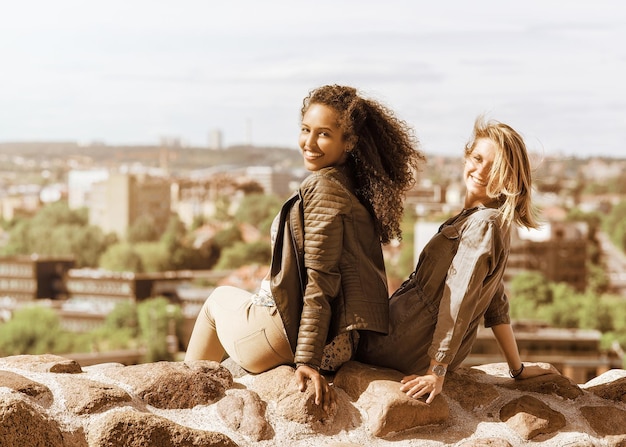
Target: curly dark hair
[384, 155]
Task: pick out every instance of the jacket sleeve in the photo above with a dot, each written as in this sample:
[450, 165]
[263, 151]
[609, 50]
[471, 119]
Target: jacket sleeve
[463, 299]
[325, 204]
[498, 310]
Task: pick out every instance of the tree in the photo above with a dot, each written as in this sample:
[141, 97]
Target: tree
[58, 231]
[144, 229]
[121, 257]
[258, 210]
[158, 319]
[154, 256]
[227, 237]
[531, 287]
[36, 330]
[241, 254]
[120, 329]
[615, 225]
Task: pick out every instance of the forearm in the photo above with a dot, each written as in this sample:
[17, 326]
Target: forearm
[508, 345]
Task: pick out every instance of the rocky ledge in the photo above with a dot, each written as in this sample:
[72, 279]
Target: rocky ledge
[52, 401]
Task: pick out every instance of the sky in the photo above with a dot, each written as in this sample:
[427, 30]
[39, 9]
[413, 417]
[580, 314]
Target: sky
[138, 71]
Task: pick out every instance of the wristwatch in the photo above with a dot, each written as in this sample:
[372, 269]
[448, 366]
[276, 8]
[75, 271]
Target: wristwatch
[439, 370]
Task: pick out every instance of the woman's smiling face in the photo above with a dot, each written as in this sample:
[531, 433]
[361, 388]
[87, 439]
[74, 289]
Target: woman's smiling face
[477, 171]
[321, 139]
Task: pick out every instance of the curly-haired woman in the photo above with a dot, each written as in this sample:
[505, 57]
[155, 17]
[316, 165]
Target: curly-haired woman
[327, 280]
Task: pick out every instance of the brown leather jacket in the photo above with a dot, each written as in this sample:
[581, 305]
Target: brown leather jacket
[327, 273]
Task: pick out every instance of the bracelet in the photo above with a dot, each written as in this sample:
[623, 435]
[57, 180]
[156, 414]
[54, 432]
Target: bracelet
[514, 373]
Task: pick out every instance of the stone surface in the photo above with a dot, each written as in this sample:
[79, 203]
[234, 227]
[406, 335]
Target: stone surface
[605, 420]
[40, 393]
[174, 385]
[22, 424]
[244, 411]
[133, 429]
[615, 391]
[530, 417]
[389, 410]
[49, 401]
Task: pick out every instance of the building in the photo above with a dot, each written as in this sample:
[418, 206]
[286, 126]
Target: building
[574, 352]
[93, 294]
[558, 250]
[120, 200]
[273, 181]
[80, 184]
[215, 140]
[25, 279]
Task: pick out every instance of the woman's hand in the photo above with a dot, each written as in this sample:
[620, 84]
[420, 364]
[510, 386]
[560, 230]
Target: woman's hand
[416, 386]
[324, 393]
[537, 369]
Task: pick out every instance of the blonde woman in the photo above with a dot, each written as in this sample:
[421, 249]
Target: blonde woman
[434, 315]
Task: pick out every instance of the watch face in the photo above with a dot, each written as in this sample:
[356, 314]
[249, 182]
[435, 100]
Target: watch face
[439, 370]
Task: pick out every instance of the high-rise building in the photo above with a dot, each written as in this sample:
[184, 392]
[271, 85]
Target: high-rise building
[119, 201]
[215, 140]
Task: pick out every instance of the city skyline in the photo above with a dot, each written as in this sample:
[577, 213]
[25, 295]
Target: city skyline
[137, 72]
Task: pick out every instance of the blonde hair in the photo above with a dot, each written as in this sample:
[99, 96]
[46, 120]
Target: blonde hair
[510, 179]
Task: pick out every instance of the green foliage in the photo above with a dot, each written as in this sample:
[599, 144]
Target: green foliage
[158, 319]
[570, 309]
[58, 213]
[222, 206]
[174, 233]
[227, 237]
[121, 257]
[154, 256]
[120, 329]
[242, 253]
[533, 288]
[34, 330]
[58, 231]
[37, 330]
[597, 279]
[566, 307]
[614, 225]
[402, 266]
[123, 316]
[258, 210]
[143, 230]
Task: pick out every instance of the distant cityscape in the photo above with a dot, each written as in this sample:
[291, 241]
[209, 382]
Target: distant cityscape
[117, 185]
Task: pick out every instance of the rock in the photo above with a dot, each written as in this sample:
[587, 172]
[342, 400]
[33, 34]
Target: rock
[244, 411]
[133, 429]
[530, 417]
[174, 404]
[548, 384]
[377, 392]
[280, 385]
[485, 442]
[605, 420]
[38, 392]
[90, 397]
[43, 363]
[614, 391]
[22, 424]
[461, 386]
[175, 384]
